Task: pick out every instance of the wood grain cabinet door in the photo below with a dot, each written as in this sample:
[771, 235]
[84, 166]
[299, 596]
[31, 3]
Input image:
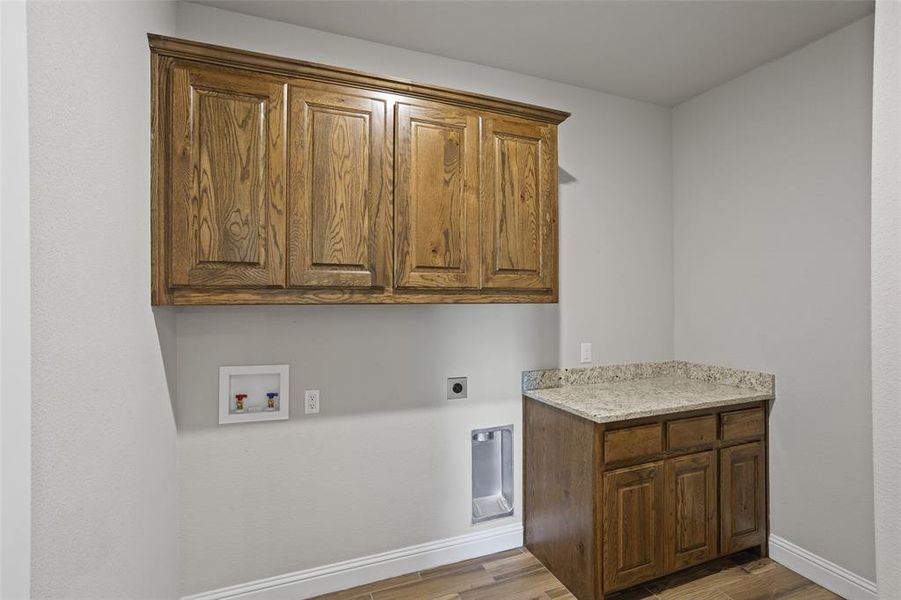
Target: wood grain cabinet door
[742, 497]
[437, 198]
[633, 525]
[226, 195]
[338, 228]
[690, 524]
[519, 204]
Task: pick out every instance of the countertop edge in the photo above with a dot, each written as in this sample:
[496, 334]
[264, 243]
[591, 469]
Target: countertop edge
[756, 381]
[651, 412]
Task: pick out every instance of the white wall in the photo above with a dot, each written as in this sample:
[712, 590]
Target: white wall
[886, 276]
[772, 223]
[15, 308]
[386, 463]
[104, 506]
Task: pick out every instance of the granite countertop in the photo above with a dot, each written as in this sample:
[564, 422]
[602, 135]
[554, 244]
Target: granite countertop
[623, 392]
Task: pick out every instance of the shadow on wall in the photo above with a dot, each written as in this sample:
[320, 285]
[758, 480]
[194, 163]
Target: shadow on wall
[164, 317]
[564, 176]
[361, 358]
[376, 358]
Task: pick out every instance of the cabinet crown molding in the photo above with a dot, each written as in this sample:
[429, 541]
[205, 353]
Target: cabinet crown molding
[267, 63]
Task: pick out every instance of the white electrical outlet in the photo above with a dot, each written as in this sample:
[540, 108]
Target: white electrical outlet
[311, 402]
[586, 352]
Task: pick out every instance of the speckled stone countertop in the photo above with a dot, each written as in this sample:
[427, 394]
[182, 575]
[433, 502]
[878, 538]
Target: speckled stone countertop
[622, 392]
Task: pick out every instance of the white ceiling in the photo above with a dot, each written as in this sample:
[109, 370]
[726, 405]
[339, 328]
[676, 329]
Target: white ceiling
[662, 51]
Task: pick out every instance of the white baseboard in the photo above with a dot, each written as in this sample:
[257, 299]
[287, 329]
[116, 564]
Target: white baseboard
[350, 573]
[375, 567]
[821, 571]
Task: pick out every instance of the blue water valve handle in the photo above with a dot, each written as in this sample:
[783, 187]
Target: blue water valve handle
[271, 395]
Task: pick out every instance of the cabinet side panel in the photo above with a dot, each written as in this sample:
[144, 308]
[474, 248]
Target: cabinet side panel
[559, 517]
[159, 82]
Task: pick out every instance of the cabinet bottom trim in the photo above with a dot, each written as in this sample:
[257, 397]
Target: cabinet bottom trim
[186, 297]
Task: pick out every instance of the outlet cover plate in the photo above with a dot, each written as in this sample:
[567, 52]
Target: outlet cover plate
[585, 353]
[311, 402]
[453, 385]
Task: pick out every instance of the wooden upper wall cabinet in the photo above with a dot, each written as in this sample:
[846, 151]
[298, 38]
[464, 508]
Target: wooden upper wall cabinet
[277, 181]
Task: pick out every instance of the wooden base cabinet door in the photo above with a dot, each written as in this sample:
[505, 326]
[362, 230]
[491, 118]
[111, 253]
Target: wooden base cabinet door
[519, 196]
[742, 497]
[227, 179]
[690, 521]
[437, 198]
[338, 234]
[633, 526]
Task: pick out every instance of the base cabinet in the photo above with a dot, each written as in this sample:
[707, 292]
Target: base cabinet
[642, 499]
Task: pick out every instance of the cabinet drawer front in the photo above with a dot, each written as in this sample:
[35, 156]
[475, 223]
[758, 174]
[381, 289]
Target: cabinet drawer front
[742, 424]
[690, 433]
[633, 442]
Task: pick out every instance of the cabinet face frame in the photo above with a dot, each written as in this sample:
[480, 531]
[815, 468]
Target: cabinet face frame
[519, 221]
[226, 221]
[338, 187]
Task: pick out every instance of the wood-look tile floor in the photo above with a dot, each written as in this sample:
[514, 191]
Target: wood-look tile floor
[517, 575]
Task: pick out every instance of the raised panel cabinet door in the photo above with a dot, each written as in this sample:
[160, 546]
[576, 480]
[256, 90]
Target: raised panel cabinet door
[633, 525]
[519, 204]
[338, 229]
[227, 180]
[742, 497]
[691, 526]
[437, 198]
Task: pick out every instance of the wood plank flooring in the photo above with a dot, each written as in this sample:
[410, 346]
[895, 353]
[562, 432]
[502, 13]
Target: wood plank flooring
[517, 575]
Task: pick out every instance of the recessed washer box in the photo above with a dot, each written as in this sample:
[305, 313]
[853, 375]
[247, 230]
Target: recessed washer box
[492, 473]
[253, 393]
